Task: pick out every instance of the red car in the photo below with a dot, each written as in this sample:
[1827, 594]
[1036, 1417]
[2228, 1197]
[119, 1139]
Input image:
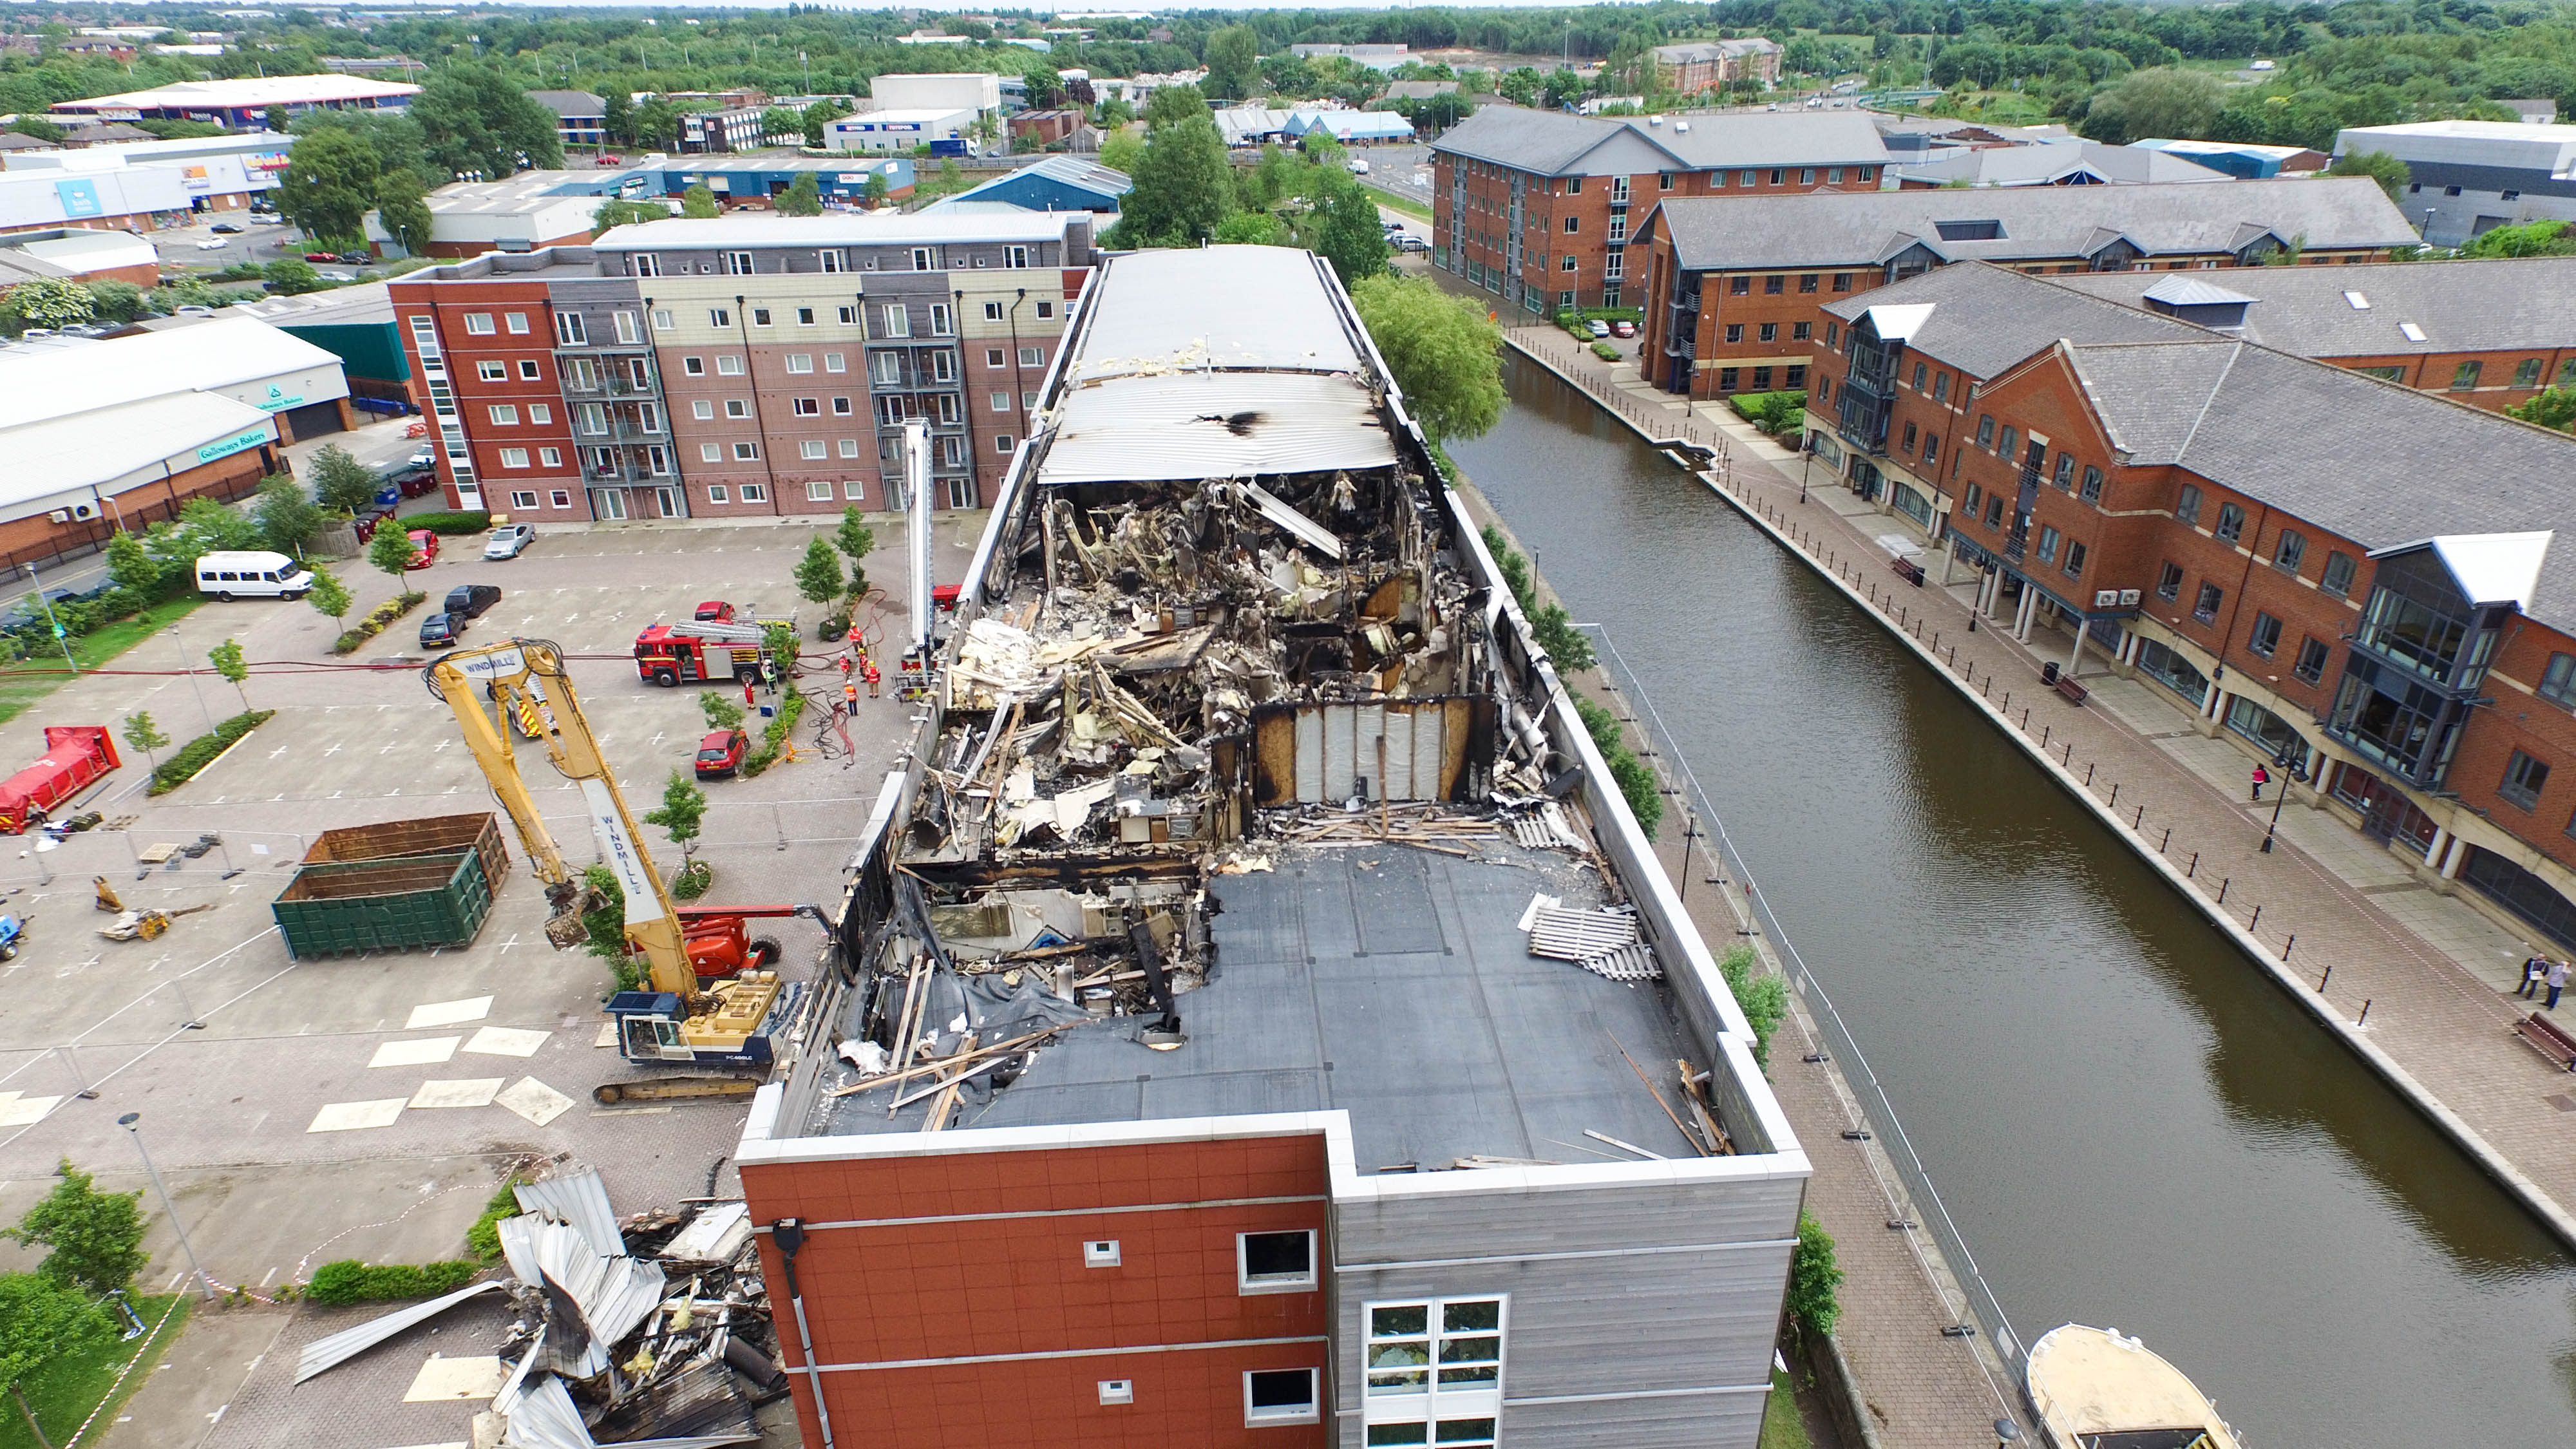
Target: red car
[715, 611]
[720, 753]
[1623, 328]
[424, 549]
[321, 256]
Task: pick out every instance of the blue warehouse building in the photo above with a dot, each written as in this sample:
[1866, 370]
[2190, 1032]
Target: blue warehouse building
[1055, 183]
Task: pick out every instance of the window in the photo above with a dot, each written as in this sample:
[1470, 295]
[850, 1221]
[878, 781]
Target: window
[1779, 175]
[1761, 379]
[528, 369]
[2047, 544]
[807, 407]
[1015, 257]
[1003, 444]
[943, 367]
[885, 367]
[703, 409]
[2286, 553]
[1995, 511]
[1833, 336]
[569, 330]
[710, 453]
[2187, 506]
[524, 499]
[2092, 491]
[1807, 282]
[853, 490]
[1794, 379]
[1739, 286]
[840, 407]
[2567, 373]
[1918, 376]
[1806, 176]
[898, 322]
[1985, 430]
[2009, 445]
[540, 414]
[694, 366]
[2169, 583]
[755, 493]
[1571, 262]
[1726, 377]
[737, 407]
[505, 415]
[1941, 387]
[1734, 331]
[1046, 310]
[1968, 504]
[1028, 402]
[940, 325]
[804, 316]
[550, 457]
[1032, 357]
[924, 259]
[737, 264]
[2205, 608]
[2558, 681]
[720, 317]
[831, 260]
[729, 366]
[2340, 568]
[1931, 448]
[1279, 1396]
[2466, 377]
[514, 457]
[627, 332]
[2266, 638]
[2523, 779]
[746, 453]
[759, 316]
[847, 316]
[948, 409]
[492, 371]
[716, 491]
[1664, 181]
[2064, 478]
[2311, 663]
[800, 362]
[2527, 373]
[1274, 1262]
[813, 449]
[1773, 286]
[1770, 331]
[1433, 1372]
[993, 357]
[1908, 445]
[835, 362]
[850, 449]
[2231, 522]
[478, 324]
[992, 311]
[1842, 281]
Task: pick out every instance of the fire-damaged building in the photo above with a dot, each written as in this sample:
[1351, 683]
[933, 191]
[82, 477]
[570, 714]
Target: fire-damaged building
[1255, 1017]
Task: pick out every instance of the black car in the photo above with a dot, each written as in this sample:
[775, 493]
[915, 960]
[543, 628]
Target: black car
[227, 228]
[356, 259]
[439, 630]
[468, 601]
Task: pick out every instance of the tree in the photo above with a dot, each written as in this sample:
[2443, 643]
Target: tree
[682, 816]
[329, 184]
[856, 541]
[780, 121]
[115, 301]
[657, 124]
[876, 190]
[331, 596]
[699, 204]
[291, 276]
[1184, 184]
[2555, 408]
[2530, 239]
[342, 483]
[1252, 228]
[817, 117]
[619, 118]
[818, 573]
[37, 127]
[1444, 351]
[1233, 62]
[52, 302]
[40, 1323]
[1121, 150]
[402, 209]
[391, 550]
[134, 568]
[229, 663]
[1765, 998]
[803, 198]
[1350, 237]
[2181, 104]
[614, 212]
[143, 734]
[721, 711]
[287, 514]
[2391, 173]
[96, 1237]
[473, 118]
[1811, 1302]
[394, 136]
[1441, 112]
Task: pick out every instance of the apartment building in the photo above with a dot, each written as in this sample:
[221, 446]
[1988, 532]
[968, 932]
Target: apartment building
[733, 128]
[1698, 66]
[2467, 178]
[1542, 208]
[2489, 333]
[581, 119]
[1731, 295]
[746, 366]
[2353, 578]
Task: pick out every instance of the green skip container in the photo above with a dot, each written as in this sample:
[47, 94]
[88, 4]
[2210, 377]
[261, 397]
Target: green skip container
[393, 887]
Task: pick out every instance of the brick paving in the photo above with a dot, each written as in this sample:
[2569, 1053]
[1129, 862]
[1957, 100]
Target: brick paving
[2432, 970]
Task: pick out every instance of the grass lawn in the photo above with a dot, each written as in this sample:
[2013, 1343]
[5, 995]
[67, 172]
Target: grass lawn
[25, 683]
[1781, 1426]
[64, 1393]
[1405, 204]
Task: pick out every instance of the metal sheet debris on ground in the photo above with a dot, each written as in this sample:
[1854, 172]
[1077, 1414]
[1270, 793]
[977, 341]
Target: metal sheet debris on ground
[428, 1051]
[448, 1013]
[358, 1116]
[507, 1041]
[338, 1348]
[448, 1380]
[578, 1199]
[536, 1101]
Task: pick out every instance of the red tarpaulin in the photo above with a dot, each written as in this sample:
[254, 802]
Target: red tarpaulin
[74, 756]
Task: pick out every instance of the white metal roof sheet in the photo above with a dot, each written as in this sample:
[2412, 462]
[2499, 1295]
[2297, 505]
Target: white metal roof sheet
[101, 446]
[228, 351]
[1197, 425]
[1216, 307]
[580, 1199]
[328, 1353]
[834, 229]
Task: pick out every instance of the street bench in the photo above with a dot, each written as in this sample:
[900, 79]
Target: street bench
[2073, 691]
[2549, 1039]
[1908, 570]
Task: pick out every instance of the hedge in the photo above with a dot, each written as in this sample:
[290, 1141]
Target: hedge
[350, 1281]
[773, 738]
[376, 620]
[1605, 352]
[200, 752]
[1773, 412]
[483, 1238]
[449, 524]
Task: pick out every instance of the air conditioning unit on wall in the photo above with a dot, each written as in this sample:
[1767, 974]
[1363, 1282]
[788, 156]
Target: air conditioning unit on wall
[84, 511]
[60, 515]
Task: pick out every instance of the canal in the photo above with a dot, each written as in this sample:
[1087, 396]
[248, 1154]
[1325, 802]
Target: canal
[2130, 1125]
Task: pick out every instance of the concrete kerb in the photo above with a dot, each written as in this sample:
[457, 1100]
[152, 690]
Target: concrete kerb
[2541, 1205]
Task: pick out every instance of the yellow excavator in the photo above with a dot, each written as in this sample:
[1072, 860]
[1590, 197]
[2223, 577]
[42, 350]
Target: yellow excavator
[705, 1007]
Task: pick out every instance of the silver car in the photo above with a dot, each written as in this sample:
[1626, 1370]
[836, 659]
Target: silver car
[510, 540]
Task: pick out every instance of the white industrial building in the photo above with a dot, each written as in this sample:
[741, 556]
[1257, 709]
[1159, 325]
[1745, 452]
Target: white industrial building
[517, 214]
[138, 183]
[2467, 178]
[900, 130]
[962, 90]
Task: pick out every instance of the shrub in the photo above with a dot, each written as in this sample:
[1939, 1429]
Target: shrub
[1765, 999]
[790, 709]
[1772, 412]
[450, 524]
[1813, 1277]
[1605, 352]
[483, 1239]
[350, 1281]
[200, 752]
[376, 620]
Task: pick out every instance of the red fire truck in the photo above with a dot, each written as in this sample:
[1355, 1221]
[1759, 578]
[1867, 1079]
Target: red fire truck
[692, 653]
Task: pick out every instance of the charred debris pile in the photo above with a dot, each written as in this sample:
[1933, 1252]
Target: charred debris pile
[1182, 680]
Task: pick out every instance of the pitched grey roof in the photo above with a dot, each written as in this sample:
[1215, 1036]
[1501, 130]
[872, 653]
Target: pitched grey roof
[2378, 463]
[2052, 164]
[570, 103]
[1985, 319]
[2469, 306]
[1552, 143]
[1824, 229]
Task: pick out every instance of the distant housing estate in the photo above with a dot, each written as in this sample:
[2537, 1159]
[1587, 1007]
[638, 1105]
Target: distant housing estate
[1707, 65]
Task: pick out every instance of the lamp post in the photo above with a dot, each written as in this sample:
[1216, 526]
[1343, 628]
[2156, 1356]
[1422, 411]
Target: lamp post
[191, 669]
[2007, 1433]
[2289, 772]
[205, 1285]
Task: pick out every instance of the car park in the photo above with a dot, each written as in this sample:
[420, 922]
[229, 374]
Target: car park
[469, 601]
[510, 540]
[720, 753]
[439, 631]
[424, 549]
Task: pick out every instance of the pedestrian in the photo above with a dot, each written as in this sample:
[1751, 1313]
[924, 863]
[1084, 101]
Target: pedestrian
[2262, 777]
[2557, 979]
[748, 700]
[2532, 970]
[872, 679]
[850, 699]
[769, 676]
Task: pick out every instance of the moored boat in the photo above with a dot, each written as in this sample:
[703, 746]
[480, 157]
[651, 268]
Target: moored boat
[2096, 1389]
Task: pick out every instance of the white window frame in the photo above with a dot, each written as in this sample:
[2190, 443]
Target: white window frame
[943, 366]
[524, 498]
[646, 264]
[885, 369]
[1313, 1412]
[737, 264]
[1046, 310]
[703, 409]
[628, 333]
[693, 367]
[805, 407]
[940, 324]
[737, 408]
[836, 362]
[854, 491]
[831, 259]
[925, 259]
[849, 447]
[1244, 1281]
[504, 415]
[804, 316]
[720, 318]
[1002, 444]
[711, 453]
[716, 493]
[559, 498]
[541, 415]
[1032, 357]
[492, 371]
[753, 492]
[570, 330]
[1432, 1404]
[550, 457]
[514, 457]
[898, 320]
[1017, 257]
[841, 407]
[528, 369]
[813, 450]
[849, 316]
[759, 316]
[746, 452]
[479, 324]
[800, 362]
[662, 321]
[1001, 402]
[818, 490]
[729, 365]
[992, 311]
[517, 322]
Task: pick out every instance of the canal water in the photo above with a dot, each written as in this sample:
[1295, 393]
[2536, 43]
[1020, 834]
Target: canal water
[2131, 1126]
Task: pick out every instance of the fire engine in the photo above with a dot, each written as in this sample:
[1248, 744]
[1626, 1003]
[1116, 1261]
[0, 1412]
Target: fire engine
[691, 653]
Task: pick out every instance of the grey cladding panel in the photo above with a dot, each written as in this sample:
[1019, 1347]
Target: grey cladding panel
[1702, 1421]
[1390, 1230]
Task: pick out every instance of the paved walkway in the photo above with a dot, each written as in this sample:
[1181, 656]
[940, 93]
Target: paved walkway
[2432, 971]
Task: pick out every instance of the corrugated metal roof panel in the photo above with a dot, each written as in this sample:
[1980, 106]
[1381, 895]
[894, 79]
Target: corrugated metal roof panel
[581, 1200]
[1214, 307]
[1215, 425]
[328, 1353]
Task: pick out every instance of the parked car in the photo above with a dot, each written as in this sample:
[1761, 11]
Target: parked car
[469, 601]
[424, 456]
[1408, 242]
[1623, 328]
[1358, 166]
[1599, 328]
[357, 259]
[213, 244]
[609, 161]
[424, 549]
[227, 228]
[251, 574]
[334, 274]
[720, 753]
[510, 540]
[31, 610]
[321, 256]
[440, 630]
[714, 611]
